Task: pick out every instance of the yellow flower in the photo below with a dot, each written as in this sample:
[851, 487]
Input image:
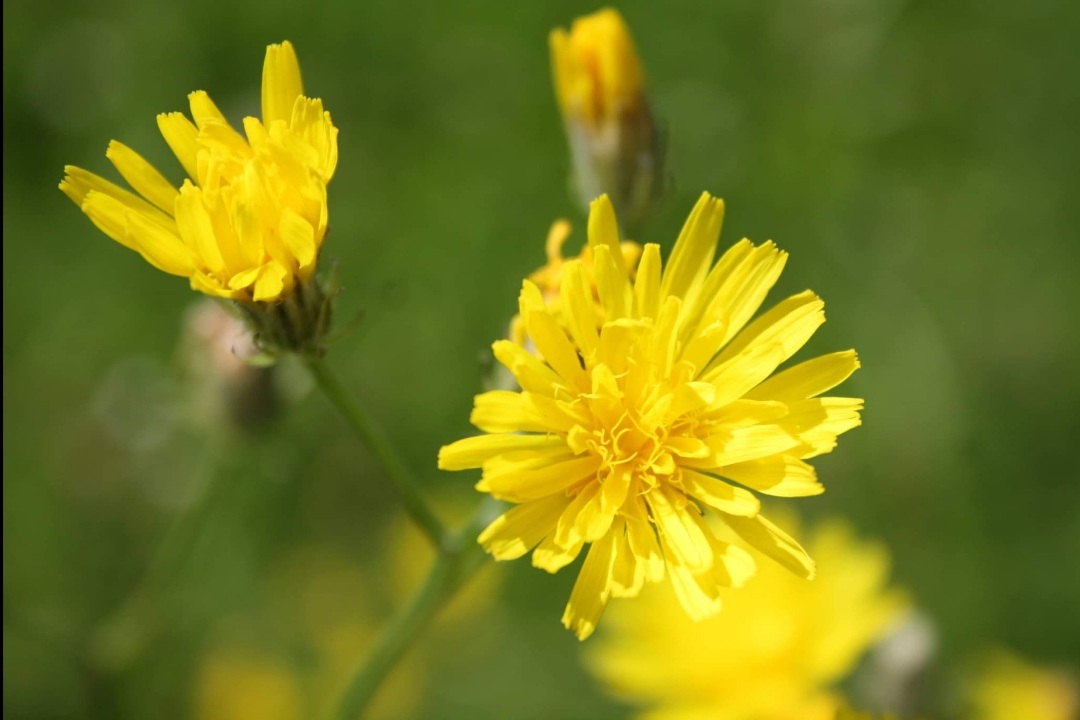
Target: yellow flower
[249, 220]
[633, 420]
[771, 655]
[237, 684]
[599, 85]
[1011, 688]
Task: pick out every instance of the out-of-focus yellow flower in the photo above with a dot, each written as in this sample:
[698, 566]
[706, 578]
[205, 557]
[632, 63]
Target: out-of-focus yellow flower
[249, 220]
[1010, 688]
[324, 613]
[549, 277]
[614, 142]
[631, 420]
[293, 658]
[241, 685]
[774, 652]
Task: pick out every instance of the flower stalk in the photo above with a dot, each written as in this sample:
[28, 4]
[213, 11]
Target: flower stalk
[455, 563]
[373, 436]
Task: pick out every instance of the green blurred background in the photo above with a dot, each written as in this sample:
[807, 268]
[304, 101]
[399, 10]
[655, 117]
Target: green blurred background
[920, 160]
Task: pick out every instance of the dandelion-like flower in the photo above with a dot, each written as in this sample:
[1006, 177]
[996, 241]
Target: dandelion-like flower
[1012, 687]
[614, 142]
[635, 418]
[249, 220]
[775, 652]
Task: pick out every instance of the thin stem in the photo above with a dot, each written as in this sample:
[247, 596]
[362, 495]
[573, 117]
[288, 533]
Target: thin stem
[455, 563]
[377, 442]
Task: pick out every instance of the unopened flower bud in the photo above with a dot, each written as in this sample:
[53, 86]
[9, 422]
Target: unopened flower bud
[614, 143]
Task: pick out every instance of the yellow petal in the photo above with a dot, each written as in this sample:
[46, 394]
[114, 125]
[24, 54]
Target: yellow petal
[809, 378]
[702, 346]
[579, 308]
[777, 475]
[733, 565]
[503, 411]
[747, 443]
[647, 283]
[471, 452]
[611, 284]
[248, 229]
[736, 287]
[197, 230]
[718, 494]
[556, 415]
[299, 238]
[603, 227]
[255, 132]
[580, 513]
[271, 283]
[643, 542]
[181, 134]
[678, 533]
[555, 348]
[614, 489]
[538, 482]
[818, 422]
[531, 374]
[738, 375]
[585, 518]
[243, 280]
[203, 110]
[592, 589]
[788, 325]
[78, 183]
[312, 124]
[520, 529]
[697, 593]
[770, 540]
[628, 571]
[661, 353]
[201, 282]
[160, 247]
[142, 176]
[552, 557]
[616, 338]
[281, 83]
[693, 252]
[226, 146]
[743, 413]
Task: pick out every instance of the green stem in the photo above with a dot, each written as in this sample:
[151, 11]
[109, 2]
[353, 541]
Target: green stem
[455, 563]
[377, 442]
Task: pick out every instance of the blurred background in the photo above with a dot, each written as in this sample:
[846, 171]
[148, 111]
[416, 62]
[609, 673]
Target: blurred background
[919, 160]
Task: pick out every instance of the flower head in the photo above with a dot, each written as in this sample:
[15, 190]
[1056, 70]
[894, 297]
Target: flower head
[774, 652]
[632, 420]
[249, 220]
[600, 88]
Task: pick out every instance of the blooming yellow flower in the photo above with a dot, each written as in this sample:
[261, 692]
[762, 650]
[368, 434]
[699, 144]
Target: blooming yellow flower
[1010, 687]
[632, 420]
[249, 220]
[600, 88]
[771, 655]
